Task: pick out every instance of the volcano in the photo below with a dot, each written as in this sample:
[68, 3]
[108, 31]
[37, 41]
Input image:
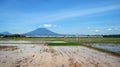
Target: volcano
[41, 32]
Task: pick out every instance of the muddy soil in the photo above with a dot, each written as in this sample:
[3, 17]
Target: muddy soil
[40, 55]
[8, 48]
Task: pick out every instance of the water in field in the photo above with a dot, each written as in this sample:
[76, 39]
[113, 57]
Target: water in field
[110, 47]
[38, 54]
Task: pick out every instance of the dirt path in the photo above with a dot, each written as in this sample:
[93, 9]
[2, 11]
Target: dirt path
[57, 56]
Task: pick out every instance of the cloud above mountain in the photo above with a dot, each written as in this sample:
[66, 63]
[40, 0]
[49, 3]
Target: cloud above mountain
[48, 25]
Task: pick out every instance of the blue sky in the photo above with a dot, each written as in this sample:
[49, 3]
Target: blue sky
[61, 16]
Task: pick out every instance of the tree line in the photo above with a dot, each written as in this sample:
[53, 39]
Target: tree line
[13, 35]
[111, 35]
[19, 35]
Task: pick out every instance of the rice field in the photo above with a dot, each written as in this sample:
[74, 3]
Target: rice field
[31, 54]
[62, 43]
[81, 40]
[106, 46]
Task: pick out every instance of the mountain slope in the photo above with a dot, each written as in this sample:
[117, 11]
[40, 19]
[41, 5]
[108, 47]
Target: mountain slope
[5, 33]
[41, 32]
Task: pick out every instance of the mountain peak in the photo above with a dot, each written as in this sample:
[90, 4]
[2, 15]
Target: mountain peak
[41, 32]
[42, 28]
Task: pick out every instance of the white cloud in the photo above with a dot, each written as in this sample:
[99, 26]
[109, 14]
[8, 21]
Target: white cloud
[55, 16]
[48, 25]
[97, 31]
[109, 29]
[75, 13]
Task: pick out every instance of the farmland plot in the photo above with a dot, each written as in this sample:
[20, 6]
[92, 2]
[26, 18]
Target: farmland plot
[40, 55]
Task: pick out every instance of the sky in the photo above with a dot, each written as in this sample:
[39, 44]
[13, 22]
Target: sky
[85, 17]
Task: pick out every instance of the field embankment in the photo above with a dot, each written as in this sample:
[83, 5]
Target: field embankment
[42, 55]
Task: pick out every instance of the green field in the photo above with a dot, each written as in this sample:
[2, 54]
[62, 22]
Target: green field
[73, 42]
[80, 40]
[64, 44]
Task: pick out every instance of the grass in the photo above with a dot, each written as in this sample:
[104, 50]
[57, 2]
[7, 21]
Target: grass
[73, 42]
[80, 40]
[65, 44]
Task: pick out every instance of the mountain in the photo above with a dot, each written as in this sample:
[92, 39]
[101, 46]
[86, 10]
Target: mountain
[5, 33]
[41, 32]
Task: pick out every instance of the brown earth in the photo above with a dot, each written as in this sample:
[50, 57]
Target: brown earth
[56, 56]
[8, 48]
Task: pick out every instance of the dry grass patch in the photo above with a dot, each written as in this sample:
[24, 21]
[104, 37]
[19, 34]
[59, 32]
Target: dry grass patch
[8, 48]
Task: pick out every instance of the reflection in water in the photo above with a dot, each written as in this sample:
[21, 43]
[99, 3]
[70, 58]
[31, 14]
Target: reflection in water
[40, 55]
[111, 47]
